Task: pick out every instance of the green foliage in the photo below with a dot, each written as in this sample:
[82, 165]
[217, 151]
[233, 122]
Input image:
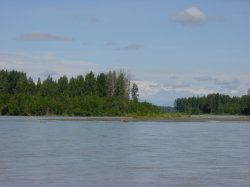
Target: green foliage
[62, 86]
[21, 104]
[121, 86]
[90, 84]
[106, 95]
[102, 85]
[4, 82]
[49, 87]
[215, 104]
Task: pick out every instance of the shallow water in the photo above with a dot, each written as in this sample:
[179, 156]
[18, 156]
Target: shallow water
[76, 153]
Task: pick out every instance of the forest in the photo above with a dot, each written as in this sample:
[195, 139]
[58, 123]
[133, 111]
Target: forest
[214, 104]
[107, 94]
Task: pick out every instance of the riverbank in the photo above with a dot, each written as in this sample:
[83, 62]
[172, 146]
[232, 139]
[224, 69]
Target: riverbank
[198, 118]
[183, 118]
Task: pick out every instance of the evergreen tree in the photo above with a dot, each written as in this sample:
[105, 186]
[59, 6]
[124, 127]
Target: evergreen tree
[31, 87]
[90, 84]
[48, 88]
[13, 77]
[134, 92]
[62, 85]
[4, 84]
[80, 85]
[38, 86]
[102, 85]
[72, 87]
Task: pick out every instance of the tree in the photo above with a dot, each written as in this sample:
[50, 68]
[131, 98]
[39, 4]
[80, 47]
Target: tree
[248, 92]
[62, 85]
[13, 77]
[90, 84]
[80, 83]
[122, 85]
[4, 84]
[102, 85]
[72, 87]
[111, 83]
[134, 92]
[31, 87]
[48, 88]
[38, 86]
[21, 84]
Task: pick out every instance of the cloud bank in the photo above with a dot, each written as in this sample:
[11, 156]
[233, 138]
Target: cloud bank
[162, 88]
[41, 36]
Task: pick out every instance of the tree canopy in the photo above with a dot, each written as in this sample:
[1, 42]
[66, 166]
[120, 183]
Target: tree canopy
[215, 104]
[105, 94]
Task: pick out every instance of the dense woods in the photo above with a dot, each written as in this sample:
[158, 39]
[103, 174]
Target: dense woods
[109, 94]
[214, 104]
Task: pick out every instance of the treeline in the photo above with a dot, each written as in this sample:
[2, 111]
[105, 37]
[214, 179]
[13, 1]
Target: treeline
[23, 104]
[114, 83]
[107, 94]
[214, 104]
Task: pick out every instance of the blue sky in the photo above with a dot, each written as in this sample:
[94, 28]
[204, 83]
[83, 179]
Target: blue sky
[170, 48]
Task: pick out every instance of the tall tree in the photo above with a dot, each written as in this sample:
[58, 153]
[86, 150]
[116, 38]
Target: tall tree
[122, 85]
[38, 86]
[111, 83]
[80, 85]
[31, 86]
[21, 85]
[13, 78]
[90, 84]
[48, 87]
[72, 87]
[4, 84]
[134, 92]
[62, 85]
[102, 85]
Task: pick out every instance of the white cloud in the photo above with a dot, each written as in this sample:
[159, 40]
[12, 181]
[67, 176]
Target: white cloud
[41, 36]
[192, 16]
[234, 92]
[189, 16]
[160, 87]
[201, 91]
[150, 88]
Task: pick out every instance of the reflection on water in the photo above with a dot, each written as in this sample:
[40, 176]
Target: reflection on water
[75, 153]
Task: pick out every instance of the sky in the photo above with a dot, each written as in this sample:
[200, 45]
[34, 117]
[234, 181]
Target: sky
[171, 49]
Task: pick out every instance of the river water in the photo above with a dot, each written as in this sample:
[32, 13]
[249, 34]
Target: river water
[79, 153]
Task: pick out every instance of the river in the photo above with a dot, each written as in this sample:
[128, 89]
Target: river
[80, 153]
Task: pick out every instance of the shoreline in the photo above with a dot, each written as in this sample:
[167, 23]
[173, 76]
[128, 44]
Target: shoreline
[200, 118]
